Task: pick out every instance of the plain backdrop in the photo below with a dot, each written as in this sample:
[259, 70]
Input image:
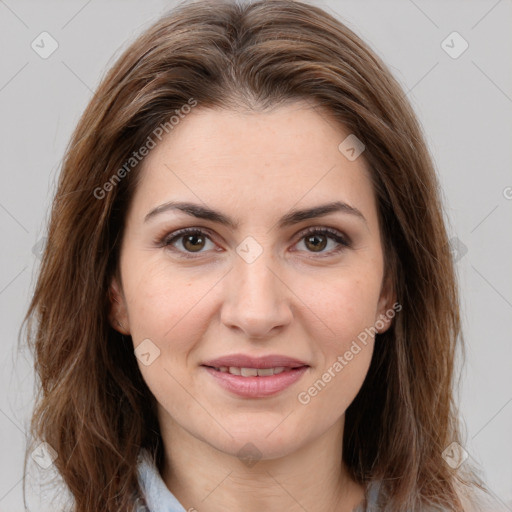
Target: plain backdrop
[463, 100]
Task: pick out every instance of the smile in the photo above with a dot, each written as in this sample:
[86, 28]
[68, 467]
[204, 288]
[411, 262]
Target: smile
[252, 372]
[255, 382]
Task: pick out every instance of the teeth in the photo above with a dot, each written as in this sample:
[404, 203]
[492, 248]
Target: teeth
[252, 372]
[263, 372]
[249, 372]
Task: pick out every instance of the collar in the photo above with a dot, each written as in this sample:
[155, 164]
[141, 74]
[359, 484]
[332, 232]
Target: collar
[158, 497]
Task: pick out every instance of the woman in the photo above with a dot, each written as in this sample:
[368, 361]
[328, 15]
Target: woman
[247, 300]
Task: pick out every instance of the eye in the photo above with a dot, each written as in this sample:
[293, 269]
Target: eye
[188, 240]
[317, 239]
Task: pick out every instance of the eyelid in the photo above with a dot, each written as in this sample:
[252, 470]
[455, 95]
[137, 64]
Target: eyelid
[168, 239]
[338, 236]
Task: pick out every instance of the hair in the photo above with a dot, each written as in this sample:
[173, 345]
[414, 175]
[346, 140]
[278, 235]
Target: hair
[93, 406]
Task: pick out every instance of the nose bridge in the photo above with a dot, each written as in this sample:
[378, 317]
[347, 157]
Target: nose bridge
[256, 300]
[257, 281]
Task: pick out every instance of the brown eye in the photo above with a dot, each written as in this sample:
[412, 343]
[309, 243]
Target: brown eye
[316, 242]
[193, 243]
[188, 241]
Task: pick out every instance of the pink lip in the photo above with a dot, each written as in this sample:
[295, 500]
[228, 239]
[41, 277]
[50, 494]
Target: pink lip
[245, 361]
[256, 387]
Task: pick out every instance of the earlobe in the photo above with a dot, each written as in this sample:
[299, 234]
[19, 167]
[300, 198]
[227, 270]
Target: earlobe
[118, 316]
[386, 307]
[382, 323]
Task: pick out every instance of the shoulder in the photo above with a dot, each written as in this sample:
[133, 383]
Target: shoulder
[474, 499]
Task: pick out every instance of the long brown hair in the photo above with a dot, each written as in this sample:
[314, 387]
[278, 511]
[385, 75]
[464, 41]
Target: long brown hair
[93, 407]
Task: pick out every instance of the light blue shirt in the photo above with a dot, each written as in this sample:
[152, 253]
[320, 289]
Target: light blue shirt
[160, 499]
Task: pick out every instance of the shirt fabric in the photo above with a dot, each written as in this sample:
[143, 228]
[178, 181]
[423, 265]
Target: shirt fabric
[160, 499]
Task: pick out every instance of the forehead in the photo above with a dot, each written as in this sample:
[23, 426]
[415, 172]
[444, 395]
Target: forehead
[254, 160]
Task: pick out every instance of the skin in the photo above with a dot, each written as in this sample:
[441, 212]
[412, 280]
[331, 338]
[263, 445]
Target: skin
[294, 300]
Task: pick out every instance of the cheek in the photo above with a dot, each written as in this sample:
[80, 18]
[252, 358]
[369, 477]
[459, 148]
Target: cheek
[347, 307]
[164, 304]
[345, 360]
[335, 386]
[168, 308]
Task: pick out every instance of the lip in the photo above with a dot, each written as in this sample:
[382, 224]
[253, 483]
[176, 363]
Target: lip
[245, 361]
[256, 387]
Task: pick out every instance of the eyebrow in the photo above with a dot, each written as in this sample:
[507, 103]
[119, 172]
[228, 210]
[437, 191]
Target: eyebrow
[293, 217]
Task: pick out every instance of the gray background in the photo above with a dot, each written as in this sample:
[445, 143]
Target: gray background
[464, 105]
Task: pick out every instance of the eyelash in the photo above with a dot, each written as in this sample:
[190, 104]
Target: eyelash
[333, 234]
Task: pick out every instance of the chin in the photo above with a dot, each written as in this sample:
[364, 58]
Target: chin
[264, 441]
[250, 451]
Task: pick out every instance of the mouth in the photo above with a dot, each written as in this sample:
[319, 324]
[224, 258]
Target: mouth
[254, 372]
[246, 362]
[250, 377]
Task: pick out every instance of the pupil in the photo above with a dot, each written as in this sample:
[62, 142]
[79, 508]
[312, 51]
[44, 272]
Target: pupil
[317, 247]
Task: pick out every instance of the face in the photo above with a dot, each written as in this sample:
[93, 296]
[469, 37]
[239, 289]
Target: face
[244, 324]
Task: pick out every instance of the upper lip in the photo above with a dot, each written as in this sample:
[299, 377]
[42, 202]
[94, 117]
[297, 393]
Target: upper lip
[245, 361]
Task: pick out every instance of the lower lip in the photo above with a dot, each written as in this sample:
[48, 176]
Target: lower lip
[257, 387]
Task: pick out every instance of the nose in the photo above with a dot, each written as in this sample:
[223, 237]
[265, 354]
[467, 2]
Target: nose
[257, 300]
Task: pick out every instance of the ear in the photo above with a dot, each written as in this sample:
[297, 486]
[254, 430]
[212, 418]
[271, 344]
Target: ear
[118, 313]
[387, 306]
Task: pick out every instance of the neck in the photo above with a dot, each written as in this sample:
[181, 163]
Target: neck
[312, 478]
